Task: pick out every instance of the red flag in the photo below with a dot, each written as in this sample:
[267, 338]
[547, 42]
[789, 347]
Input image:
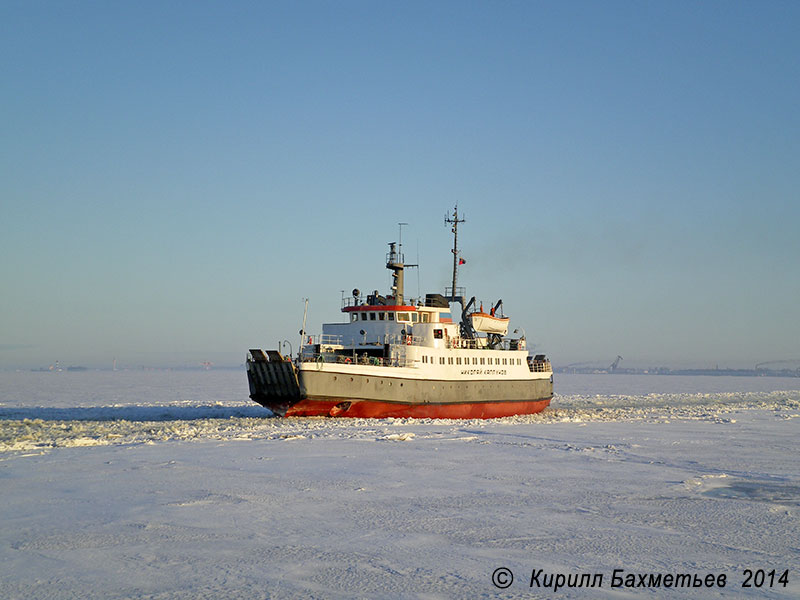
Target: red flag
[461, 261]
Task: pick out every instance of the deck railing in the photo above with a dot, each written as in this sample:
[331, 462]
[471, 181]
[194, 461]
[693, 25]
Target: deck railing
[342, 359]
[540, 366]
[471, 344]
[363, 341]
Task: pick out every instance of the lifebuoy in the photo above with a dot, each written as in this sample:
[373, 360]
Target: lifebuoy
[347, 361]
[409, 339]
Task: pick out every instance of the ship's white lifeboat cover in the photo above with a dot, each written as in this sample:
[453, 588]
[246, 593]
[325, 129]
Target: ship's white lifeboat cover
[486, 323]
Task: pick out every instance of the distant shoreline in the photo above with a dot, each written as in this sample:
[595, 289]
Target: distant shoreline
[667, 371]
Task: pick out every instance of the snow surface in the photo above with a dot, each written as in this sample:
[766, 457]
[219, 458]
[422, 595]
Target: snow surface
[174, 485]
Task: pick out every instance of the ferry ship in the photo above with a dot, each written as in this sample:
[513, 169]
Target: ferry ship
[394, 357]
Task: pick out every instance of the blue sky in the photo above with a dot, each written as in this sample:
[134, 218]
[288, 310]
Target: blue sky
[176, 177]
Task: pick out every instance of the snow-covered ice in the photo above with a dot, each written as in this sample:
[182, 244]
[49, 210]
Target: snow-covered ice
[174, 485]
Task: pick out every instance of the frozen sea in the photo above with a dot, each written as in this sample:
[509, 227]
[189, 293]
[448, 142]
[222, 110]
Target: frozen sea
[170, 484]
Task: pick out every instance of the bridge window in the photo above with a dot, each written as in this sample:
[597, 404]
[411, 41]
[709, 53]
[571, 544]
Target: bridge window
[353, 317]
[381, 316]
[413, 317]
[424, 317]
[390, 316]
[372, 316]
[403, 317]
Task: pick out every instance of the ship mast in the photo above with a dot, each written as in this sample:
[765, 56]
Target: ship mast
[394, 261]
[454, 221]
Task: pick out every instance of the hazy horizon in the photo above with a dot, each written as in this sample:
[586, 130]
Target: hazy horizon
[175, 179]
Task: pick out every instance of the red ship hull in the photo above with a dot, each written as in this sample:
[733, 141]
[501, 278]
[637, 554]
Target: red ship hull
[371, 409]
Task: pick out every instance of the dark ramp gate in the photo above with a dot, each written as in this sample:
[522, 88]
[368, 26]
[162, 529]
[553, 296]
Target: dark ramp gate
[273, 380]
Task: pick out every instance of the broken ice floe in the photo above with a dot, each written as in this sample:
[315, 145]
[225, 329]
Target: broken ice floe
[35, 428]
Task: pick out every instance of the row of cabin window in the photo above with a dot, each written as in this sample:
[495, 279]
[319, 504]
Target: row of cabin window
[402, 317]
[483, 360]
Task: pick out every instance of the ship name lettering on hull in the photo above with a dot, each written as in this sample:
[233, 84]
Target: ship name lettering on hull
[484, 372]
